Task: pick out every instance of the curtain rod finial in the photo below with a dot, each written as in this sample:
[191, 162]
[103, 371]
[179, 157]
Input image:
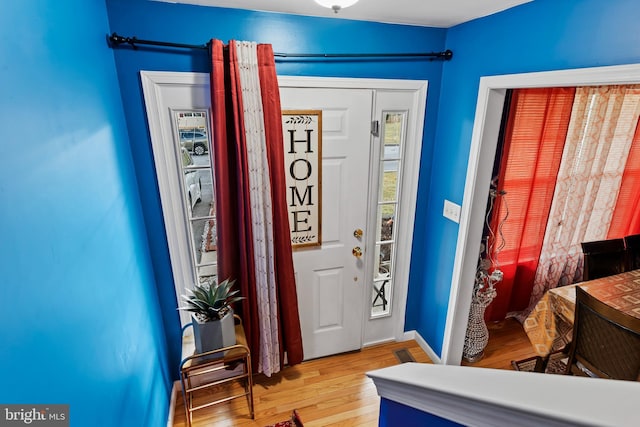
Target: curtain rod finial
[115, 40]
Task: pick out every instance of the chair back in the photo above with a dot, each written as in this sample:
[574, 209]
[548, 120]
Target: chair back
[603, 258]
[606, 341]
[632, 246]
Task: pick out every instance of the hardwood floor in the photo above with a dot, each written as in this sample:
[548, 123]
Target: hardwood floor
[335, 391]
[507, 342]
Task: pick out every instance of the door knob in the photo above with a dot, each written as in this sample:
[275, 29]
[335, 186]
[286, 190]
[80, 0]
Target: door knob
[357, 252]
[357, 233]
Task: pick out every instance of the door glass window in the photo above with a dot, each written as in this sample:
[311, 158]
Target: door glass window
[197, 190]
[391, 157]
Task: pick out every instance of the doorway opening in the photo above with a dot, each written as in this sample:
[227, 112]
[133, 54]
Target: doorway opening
[491, 97]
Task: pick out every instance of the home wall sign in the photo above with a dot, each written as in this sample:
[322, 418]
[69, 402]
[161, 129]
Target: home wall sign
[302, 138]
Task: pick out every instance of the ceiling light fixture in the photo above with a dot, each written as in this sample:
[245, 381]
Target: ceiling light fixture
[336, 5]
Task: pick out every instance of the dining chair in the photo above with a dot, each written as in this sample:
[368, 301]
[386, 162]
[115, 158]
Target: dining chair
[632, 246]
[603, 258]
[606, 341]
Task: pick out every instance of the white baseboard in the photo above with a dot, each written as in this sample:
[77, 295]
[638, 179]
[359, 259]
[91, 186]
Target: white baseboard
[414, 335]
[172, 404]
[378, 342]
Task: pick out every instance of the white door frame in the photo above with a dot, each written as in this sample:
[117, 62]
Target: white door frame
[409, 183]
[152, 81]
[154, 84]
[481, 155]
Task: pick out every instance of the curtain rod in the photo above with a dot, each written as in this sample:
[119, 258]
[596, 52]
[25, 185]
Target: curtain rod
[115, 40]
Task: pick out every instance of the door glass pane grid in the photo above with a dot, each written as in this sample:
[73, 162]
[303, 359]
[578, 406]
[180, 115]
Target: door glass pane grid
[198, 190]
[383, 280]
[388, 191]
[393, 135]
[386, 218]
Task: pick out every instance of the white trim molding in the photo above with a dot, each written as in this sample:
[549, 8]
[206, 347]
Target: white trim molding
[172, 404]
[414, 335]
[502, 398]
[160, 89]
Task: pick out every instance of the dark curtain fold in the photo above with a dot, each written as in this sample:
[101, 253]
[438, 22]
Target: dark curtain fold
[233, 203]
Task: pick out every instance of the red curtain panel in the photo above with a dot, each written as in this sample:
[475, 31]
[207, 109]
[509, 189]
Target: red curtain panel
[626, 215]
[235, 259]
[233, 203]
[534, 139]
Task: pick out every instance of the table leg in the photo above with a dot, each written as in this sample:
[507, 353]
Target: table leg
[541, 364]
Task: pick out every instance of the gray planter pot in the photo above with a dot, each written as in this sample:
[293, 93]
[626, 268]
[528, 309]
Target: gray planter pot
[214, 334]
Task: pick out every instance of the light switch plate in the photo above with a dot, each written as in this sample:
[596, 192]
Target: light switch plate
[451, 211]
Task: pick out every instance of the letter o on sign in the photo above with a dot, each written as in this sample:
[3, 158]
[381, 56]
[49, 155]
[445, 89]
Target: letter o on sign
[295, 171]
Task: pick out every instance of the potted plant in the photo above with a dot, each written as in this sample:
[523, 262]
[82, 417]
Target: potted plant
[212, 314]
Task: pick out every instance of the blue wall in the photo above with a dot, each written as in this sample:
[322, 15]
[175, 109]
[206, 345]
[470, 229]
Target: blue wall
[287, 33]
[78, 306]
[538, 36]
[392, 412]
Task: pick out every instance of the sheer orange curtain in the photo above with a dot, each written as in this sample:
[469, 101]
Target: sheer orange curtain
[626, 215]
[533, 144]
[603, 122]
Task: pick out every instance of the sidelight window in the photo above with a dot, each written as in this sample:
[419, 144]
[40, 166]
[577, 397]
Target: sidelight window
[391, 158]
[197, 191]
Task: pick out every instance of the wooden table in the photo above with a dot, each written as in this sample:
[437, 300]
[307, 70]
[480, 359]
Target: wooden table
[550, 324]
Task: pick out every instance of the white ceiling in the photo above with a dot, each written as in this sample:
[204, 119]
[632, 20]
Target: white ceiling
[428, 13]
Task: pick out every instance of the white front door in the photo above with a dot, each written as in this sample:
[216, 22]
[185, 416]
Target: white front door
[330, 279]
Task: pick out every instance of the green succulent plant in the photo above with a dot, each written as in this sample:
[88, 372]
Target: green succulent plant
[210, 301]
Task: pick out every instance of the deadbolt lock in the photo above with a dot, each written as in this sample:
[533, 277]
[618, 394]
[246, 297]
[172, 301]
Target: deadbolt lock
[357, 252]
[357, 233]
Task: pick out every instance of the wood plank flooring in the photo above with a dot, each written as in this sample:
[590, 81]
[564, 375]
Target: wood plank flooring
[507, 342]
[335, 391]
